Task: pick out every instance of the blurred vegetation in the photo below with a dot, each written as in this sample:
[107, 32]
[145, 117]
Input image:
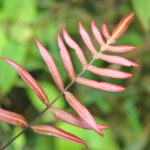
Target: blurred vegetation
[127, 114]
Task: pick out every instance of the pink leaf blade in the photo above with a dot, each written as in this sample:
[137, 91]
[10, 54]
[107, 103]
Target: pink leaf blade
[54, 131]
[120, 49]
[82, 112]
[71, 43]
[87, 40]
[117, 60]
[105, 86]
[66, 59]
[12, 118]
[97, 34]
[73, 119]
[105, 32]
[26, 76]
[122, 26]
[51, 65]
[109, 72]
[135, 64]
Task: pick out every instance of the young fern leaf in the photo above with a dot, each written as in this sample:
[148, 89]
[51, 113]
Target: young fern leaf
[109, 72]
[100, 85]
[73, 119]
[120, 49]
[87, 40]
[54, 131]
[26, 76]
[51, 66]
[66, 58]
[96, 33]
[122, 26]
[117, 60]
[84, 119]
[12, 118]
[71, 43]
[99, 71]
[106, 33]
[82, 112]
[19, 120]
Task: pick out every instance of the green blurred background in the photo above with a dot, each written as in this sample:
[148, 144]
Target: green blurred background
[127, 114]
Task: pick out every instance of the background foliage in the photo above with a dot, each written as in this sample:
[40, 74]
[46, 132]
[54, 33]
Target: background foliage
[127, 114]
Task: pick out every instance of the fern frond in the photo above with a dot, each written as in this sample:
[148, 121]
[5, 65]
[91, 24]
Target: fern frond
[83, 119]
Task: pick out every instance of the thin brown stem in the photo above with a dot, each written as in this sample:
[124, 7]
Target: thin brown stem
[48, 106]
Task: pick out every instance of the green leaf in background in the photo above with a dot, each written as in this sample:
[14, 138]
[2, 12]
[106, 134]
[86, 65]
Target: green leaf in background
[7, 128]
[27, 13]
[25, 32]
[61, 144]
[142, 9]
[102, 143]
[95, 141]
[21, 140]
[10, 9]
[129, 108]
[14, 51]
[108, 142]
[2, 39]
[22, 10]
[46, 143]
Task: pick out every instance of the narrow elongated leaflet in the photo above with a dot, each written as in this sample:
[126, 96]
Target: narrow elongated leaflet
[117, 60]
[105, 86]
[122, 26]
[73, 119]
[26, 76]
[87, 40]
[51, 66]
[71, 43]
[66, 58]
[109, 72]
[120, 49]
[82, 111]
[105, 32]
[12, 118]
[97, 34]
[54, 131]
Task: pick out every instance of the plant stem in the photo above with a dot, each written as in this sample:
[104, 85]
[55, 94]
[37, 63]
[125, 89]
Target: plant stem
[48, 106]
